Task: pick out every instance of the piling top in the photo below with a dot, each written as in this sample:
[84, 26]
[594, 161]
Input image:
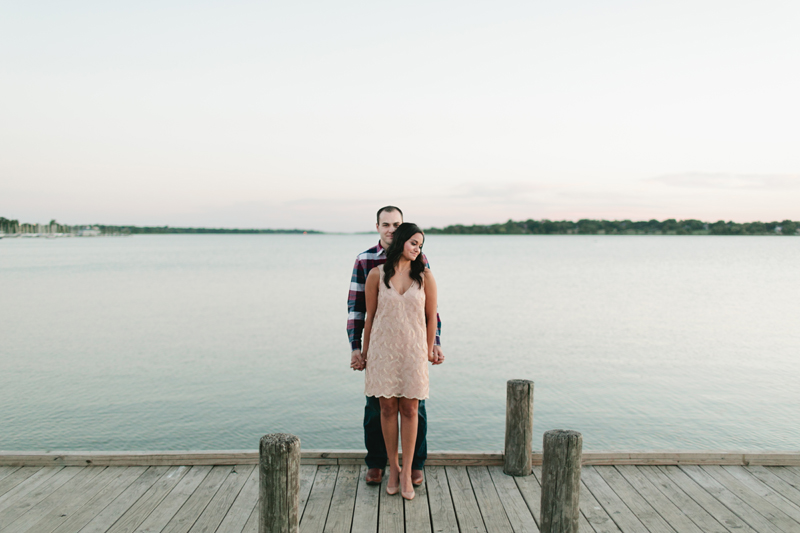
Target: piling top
[279, 440]
[520, 381]
[561, 433]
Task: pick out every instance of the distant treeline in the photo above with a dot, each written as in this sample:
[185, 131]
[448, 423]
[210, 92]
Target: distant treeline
[14, 227]
[623, 227]
[131, 230]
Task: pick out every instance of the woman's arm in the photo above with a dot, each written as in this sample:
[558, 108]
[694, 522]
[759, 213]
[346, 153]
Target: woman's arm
[371, 294]
[430, 311]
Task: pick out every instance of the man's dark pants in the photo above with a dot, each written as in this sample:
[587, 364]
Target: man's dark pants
[373, 436]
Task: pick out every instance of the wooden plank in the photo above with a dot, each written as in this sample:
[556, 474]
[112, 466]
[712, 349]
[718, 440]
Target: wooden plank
[7, 471]
[42, 476]
[787, 475]
[792, 470]
[734, 490]
[307, 475]
[188, 514]
[252, 523]
[689, 458]
[340, 515]
[341, 457]
[625, 519]
[465, 504]
[129, 458]
[464, 459]
[17, 505]
[756, 499]
[494, 515]
[169, 506]
[598, 519]
[218, 507]
[730, 500]
[531, 492]
[50, 512]
[443, 514]
[140, 510]
[240, 511]
[669, 490]
[316, 511]
[768, 476]
[634, 501]
[114, 510]
[390, 510]
[365, 513]
[125, 475]
[656, 499]
[15, 478]
[517, 511]
[706, 501]
[417, 511]
[583, 523]
[764, 490]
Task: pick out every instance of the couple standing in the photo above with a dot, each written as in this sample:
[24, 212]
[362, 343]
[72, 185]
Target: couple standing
[392, 300]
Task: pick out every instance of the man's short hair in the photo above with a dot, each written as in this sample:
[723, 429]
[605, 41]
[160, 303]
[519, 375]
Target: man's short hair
[388, 209]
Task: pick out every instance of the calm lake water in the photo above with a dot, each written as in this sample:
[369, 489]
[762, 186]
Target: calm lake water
[210, 341]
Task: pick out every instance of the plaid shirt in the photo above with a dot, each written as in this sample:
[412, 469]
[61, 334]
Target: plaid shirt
[356, 299]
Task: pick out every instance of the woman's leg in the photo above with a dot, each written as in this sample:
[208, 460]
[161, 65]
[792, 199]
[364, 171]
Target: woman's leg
[389, 408]
[408, 435]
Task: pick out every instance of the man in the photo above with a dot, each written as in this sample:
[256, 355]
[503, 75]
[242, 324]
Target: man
[389, 218]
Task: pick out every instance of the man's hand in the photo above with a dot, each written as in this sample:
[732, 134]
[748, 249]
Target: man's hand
[438, 356]
[356, 361]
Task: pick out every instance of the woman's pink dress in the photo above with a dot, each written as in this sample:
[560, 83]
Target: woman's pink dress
[397, 361]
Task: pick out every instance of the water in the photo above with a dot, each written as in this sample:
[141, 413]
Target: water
[199, 342]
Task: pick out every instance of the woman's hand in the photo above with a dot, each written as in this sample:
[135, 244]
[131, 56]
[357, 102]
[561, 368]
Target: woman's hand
[436, 357]
[358, 361]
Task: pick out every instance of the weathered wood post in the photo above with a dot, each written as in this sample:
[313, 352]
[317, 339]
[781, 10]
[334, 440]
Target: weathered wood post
[279, 476]
[561, 481]
[519, 427]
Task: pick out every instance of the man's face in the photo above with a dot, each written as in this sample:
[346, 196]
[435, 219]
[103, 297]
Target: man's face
[387, 223]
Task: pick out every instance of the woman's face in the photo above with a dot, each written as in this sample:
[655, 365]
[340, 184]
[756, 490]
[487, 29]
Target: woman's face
[413, 246]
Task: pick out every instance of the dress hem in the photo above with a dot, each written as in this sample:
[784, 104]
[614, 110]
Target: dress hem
[395, 396]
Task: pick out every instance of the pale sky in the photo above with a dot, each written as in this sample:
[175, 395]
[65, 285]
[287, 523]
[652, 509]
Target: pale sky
[314, 114]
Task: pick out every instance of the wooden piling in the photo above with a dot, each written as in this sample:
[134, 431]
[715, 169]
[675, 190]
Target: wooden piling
[561, 481]
[517, 460]
[279, 477]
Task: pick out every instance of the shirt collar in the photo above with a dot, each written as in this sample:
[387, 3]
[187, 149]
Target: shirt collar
[381, 249]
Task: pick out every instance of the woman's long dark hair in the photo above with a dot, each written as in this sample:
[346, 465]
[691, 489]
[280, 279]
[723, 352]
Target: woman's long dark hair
[404, 231]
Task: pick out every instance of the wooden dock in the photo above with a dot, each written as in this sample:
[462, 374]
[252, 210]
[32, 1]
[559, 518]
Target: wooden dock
[51, 493]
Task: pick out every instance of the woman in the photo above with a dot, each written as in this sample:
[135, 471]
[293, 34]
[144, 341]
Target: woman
[399, 333]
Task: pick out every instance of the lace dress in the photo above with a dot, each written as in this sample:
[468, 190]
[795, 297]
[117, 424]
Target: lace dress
[397, 360]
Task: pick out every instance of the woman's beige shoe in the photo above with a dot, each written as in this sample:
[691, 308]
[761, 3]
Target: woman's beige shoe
[408, 495]
[391, 491]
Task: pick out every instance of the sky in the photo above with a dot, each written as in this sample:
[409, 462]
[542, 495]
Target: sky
[314, 114]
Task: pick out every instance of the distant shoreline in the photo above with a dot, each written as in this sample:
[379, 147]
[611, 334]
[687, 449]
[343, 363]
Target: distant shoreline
[622, 227]
[12, 228]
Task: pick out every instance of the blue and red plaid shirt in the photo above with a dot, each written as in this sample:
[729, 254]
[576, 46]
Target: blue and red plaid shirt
[356, 299]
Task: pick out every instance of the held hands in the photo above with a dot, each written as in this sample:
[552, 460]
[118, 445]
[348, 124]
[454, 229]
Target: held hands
[357, 361]
[436, 356]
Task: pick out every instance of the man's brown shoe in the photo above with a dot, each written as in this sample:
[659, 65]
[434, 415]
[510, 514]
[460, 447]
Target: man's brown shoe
[417, 477]
[374, 476]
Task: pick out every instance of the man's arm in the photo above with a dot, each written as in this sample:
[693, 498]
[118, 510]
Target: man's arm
[356, 305]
